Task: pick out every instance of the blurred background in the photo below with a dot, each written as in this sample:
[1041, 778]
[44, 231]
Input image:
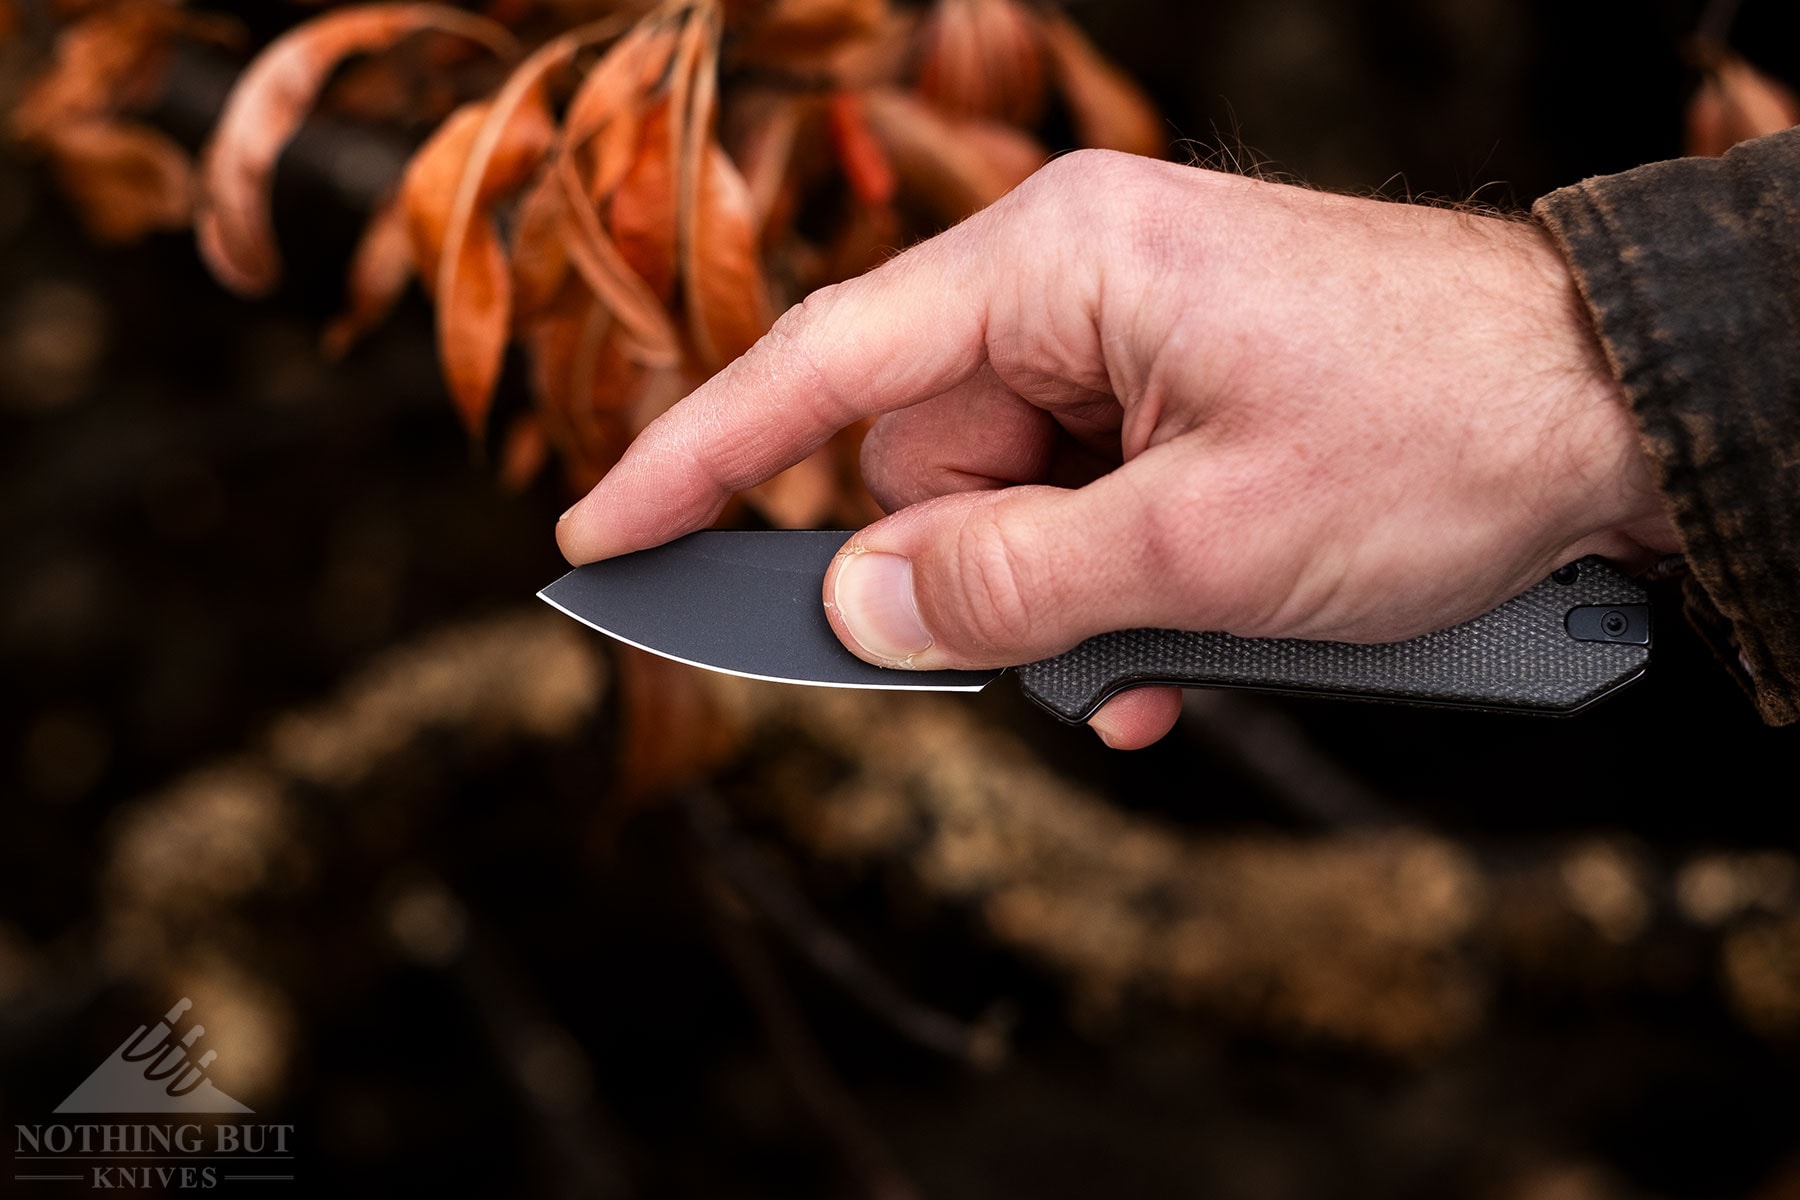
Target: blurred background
[476, 903]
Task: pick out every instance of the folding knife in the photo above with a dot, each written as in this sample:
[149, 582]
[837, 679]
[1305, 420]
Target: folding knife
[749, 603]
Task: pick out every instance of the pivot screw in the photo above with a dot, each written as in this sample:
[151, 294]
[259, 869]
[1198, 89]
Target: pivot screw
[1615, 624]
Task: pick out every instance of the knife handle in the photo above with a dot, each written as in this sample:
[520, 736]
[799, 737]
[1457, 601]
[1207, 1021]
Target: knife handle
[1574, 638]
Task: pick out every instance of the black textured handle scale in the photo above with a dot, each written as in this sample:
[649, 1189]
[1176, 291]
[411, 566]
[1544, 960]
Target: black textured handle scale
[1567, 642]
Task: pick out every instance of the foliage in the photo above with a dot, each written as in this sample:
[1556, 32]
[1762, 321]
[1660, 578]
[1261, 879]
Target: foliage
[628, 191]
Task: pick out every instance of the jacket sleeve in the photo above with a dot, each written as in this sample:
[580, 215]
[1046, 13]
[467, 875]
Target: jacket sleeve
[1691, 271]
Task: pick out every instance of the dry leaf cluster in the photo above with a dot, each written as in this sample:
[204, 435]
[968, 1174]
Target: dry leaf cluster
[627, 191]
[84, 114]
[1734, 102]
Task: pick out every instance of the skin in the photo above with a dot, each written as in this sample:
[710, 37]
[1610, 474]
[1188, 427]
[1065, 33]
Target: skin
[1139, 394]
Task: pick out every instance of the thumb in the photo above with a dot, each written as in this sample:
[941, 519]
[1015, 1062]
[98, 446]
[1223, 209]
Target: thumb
[1000, 578]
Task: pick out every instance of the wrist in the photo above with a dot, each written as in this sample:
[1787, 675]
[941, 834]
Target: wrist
[1625, 515]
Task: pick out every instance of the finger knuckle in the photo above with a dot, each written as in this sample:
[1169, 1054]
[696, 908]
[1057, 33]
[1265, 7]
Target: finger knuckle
[796, 327]
[803, 339]
[886, 471]
[1068, 187]
[998, 593]
[1084, 167]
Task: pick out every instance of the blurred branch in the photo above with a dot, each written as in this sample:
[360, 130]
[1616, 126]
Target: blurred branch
[1273, 750]
[1716, 20]
[542, 1060]
[1389, 939]
[188, 869]
[38, 22]
[818, 1087]
[1383, 937]
[982, 1044]
[355, 162]
[39, 1001]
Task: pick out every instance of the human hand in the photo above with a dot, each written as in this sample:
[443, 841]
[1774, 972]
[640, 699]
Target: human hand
[1138, 394]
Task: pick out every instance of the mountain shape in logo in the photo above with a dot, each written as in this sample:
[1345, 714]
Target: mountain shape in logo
[153, 1071]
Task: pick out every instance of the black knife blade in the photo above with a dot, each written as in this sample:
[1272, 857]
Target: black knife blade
[748, 603]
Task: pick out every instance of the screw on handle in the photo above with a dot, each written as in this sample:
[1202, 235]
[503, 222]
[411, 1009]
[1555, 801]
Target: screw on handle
[1529, 655]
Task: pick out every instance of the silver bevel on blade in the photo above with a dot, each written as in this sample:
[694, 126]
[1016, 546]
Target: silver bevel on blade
[745, 603]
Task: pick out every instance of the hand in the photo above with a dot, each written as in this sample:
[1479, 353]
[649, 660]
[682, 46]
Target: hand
[1139, 394]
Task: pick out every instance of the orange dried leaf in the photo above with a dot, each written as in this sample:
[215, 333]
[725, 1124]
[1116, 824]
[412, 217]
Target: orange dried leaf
[602, 120]
[492, 158]
[673, 731]
[1735, 103]
[950, 59]
[618, 83]
[375, 90]
[265, 110]
[126, 179]
[641, 212]
[94, 69]
[473, 328]
[866, 240]
[581, 377]
[601, 129]
[612, 153]
[549, 340]
[865, 163]
[598, 261]
[856, 506]
[428, 189]
[782, 31]
[426, 196]
[1109, 110]
[473, 280]
[693, 96]
[509, 12]
[983, 59]
[601, 138]
[523, 453]
[1011, 155]
[953, 168]
[801, 497]
[109, 61]
[726, 300]
[659, 390]
[540, 262]
[767, 132]
[379, 273]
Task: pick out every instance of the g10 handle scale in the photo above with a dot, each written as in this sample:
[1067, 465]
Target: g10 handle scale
[1581, 635]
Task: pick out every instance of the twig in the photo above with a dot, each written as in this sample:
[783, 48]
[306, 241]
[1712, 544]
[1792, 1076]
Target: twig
[1271, 748]
[1716, 20]
[360, 165]
[982, 1044]
[35, 16]
[817, 1085]
[542, 1060]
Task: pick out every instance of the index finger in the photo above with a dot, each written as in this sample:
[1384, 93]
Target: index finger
[905, 332]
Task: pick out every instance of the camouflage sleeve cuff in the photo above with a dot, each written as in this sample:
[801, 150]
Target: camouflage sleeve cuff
[1691, 270]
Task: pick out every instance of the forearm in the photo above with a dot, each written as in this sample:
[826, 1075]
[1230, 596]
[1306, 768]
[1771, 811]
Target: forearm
[1691, 270]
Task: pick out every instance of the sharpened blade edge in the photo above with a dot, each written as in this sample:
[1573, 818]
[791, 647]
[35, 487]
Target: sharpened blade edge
[900, 685]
